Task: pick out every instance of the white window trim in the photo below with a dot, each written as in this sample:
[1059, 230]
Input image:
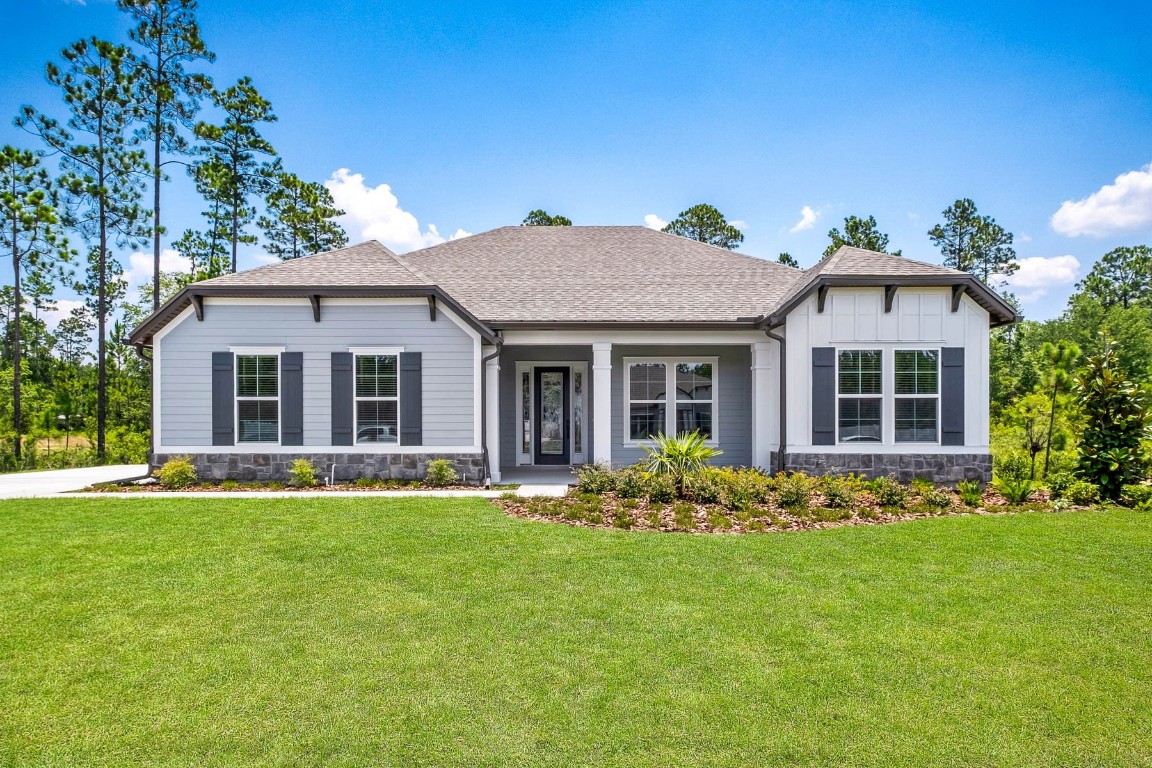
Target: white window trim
[882, 396]
[236, 396]
[936, 397]
[356, 399]
[529, 366]
[670, 364]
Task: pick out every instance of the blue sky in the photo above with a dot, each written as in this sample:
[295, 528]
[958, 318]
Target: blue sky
[460, 117]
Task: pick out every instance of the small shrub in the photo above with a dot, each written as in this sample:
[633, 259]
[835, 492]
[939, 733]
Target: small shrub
[794, 491]
[274, 485]
[178, 472]
[1012, 467]
[743, 488]
[705, 486]
[1059, 482]
[229, 485]
[631, 483]
[922, 485]
[622, 519]
[652, 518]
[302, 474]
[936, 499]
[661, 489]
[757, 526]
[1082, 493]
[630, 503]
[971, 492]
[719, 520]
[575, 511]
[509, 496]
[596, 518]
[888, 493]
[1136, 496]
[841, 491]
[827, 515]
[679, 456]
[1015, 490]
[366, 482]
[595, 478]
[440, 472]
[684, 515]
[867, 513]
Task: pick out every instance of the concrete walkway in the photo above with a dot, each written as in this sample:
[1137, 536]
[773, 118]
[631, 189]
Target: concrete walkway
[22, 485]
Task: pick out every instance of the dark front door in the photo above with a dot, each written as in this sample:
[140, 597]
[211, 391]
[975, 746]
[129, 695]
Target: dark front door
[552, 442]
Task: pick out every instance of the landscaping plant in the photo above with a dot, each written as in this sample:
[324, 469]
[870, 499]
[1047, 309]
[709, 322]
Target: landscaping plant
[679, 455]
[595, 478]
[1012, 480]
[440, 472]
[178, 472]
[302, 473]
[889, 493]
[794, 491]
[971, 492]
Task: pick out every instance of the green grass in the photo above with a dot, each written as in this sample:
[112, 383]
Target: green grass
[440, 632]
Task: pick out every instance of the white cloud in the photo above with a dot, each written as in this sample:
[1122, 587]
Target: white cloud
[808, 218]
[1038, 274]
[739, 223]
[264, 259]
[652, 221]
[1123, 205]
[139, 271]
[53, 317]
[374, 213]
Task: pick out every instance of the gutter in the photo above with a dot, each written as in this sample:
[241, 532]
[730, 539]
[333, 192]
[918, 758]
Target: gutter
[783, 393]
[484, 408]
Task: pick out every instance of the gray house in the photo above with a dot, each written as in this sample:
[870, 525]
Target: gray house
[528, 347]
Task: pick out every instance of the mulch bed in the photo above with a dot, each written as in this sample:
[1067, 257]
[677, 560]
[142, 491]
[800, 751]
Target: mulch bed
[209, 488]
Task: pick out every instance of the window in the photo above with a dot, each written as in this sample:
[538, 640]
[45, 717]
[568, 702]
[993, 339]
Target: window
[692, 383]
[377, 399]
[859, 395]
[257, 398]
[917, 395]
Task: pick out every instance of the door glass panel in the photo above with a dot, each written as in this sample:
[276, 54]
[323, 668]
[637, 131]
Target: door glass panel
[526, 412]
[578, 410]
[551, 413]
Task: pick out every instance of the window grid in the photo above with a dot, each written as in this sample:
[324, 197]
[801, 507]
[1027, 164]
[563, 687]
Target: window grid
[860, 396]
[693, 383]
[377, 397]
[917, 403]
[257, 398]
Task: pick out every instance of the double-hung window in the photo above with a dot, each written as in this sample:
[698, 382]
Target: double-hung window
[689, 408]
[860, 395]
[257, 398]
[377, 399]
[917, 395]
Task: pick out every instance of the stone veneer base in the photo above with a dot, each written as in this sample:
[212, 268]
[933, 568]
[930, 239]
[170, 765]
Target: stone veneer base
[940, 467]
[249, 467]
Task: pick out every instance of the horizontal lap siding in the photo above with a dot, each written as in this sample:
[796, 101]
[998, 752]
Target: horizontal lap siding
[186, 363]
[734, 399]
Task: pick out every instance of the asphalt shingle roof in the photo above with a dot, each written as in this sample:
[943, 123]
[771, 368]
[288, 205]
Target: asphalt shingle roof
[365, 264]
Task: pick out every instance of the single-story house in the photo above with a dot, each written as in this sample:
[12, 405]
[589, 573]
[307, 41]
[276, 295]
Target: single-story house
[556, 346]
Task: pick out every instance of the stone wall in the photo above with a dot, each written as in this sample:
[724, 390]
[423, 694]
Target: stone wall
[349, 466]
[940, 467]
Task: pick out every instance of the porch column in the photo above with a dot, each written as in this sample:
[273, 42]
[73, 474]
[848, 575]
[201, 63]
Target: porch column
[764, 405]
[602, 402]
[492, 416]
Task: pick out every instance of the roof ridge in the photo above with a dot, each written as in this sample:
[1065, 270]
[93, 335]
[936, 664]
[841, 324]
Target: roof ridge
[904, 258]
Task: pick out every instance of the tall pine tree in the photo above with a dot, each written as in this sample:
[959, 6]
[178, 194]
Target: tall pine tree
[298, 219]
[974, 243]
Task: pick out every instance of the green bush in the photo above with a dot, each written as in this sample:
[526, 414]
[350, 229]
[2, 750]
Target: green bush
[631, 483]
[440, 472]
[302, 474]
[937, 499]
[229, 485]
[971, 492]
[888, 493]
[1082, 493]
[1016, 490]
[744, 488]
[841, 491]
[830, 515]
[705, 486]
[1012, 467]
[1059, 482]
[661, 489]
[595, 478]
[794, 491]
[1137, 496]
[622, 519]
[718, 520]
[630, 503]
[366, 482]
[178, 472]
[922, 485]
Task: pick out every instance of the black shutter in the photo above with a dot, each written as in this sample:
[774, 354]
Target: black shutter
[411, 399]
[223, 399]
[823, 395]
[952, 396]
[291, 398]
[343, 402]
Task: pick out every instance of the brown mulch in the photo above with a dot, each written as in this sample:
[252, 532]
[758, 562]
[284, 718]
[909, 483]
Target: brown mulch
[210, 488]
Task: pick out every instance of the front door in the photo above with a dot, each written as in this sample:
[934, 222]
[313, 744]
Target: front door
[552, 436]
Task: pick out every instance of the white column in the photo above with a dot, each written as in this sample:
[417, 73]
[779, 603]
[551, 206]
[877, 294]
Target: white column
[764, 405]
[602, 402]
[492, 416]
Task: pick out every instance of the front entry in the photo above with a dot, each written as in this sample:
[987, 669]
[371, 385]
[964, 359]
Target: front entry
[553, 437]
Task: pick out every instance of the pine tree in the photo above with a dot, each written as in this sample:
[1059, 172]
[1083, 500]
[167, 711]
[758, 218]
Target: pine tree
[299, 218]
[974, 243]
[858, 233]
[706, 224]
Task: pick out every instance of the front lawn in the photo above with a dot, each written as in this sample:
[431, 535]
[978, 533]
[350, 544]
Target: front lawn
[361, 631]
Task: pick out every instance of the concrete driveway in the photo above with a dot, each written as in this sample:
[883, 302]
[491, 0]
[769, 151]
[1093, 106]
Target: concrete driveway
[27, 484]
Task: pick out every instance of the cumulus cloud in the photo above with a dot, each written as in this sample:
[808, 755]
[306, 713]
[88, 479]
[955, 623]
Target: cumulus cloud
[808, 218]
[1123, 205]
[374, 213]
[1038, 274]
[652, 221]
[139, 267]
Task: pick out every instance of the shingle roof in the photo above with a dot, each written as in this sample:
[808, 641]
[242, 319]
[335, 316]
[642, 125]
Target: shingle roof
[848, 260]
[601, 274]
[365, 264]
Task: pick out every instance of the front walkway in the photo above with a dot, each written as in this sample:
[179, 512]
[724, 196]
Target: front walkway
[21, 485]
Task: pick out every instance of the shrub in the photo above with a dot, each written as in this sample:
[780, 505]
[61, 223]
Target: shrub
[595, 478]
[937, 499]
[1082, 493]
[440, 472]
[229, 485]
[1059, 482]
[826, 515]
[1016, 490]
[971, 492]
[366, 482]
[631, 483]
[718, 520]
[275, 485]
[841, 491]
[684, 515]
[1012, 467]
[757, 526]
[661, 489]
[302, 474]
[794, 491]
[622, 519]
[652, 518]
[178, 472]
[742, 488]
[630, 503]
[509, 496]
[922, 485]
[1136, 496]
[705, 486]
[679, 456]
[888, 493]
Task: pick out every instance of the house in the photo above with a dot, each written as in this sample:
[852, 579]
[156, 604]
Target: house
[556, 346]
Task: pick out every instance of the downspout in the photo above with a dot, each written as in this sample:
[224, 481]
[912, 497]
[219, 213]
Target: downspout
[484, 408]
[783, 394]
[151, 400]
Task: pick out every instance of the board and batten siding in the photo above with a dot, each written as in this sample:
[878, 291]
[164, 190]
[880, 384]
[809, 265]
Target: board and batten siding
[733, 410]
[855, 318]
[449, 361]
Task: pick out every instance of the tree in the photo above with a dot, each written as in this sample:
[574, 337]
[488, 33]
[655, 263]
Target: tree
[787, 260]
[974, 243]
[706, 224]
[541, 218]
[858, 233]
[299, 220]
[233, 149]
[1115, 422]
[28, 211]
[167, 32]
[74, 336]
[101, 179]
[1061, 358]
[1123, 276]
[207, 255]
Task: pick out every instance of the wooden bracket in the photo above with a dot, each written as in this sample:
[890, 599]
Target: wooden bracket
[889, 294]
[432, 308]
[315, 301]
[821, 296]
[957, 292]
[198, 303]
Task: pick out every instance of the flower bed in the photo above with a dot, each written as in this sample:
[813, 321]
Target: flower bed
[229, 486]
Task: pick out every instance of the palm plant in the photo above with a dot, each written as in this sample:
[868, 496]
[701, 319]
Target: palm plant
[679, 455]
